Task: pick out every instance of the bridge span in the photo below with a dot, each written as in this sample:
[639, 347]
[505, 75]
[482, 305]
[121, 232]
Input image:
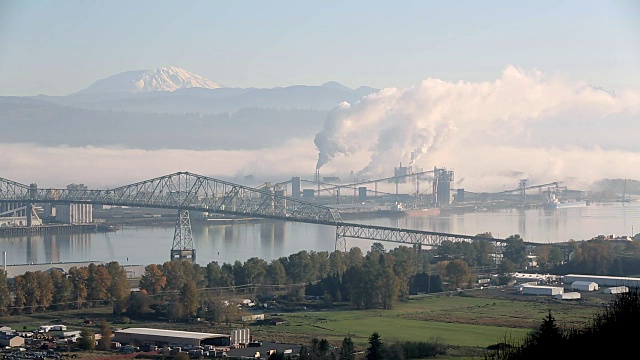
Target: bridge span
[186, 191]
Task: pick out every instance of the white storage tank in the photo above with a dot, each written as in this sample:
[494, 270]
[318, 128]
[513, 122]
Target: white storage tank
[616, 290]
[240, 336]
[541, 290]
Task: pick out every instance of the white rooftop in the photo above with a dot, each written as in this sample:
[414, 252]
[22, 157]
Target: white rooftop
[172, 333]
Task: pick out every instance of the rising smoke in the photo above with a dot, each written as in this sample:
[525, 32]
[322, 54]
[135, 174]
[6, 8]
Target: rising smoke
[439, 121]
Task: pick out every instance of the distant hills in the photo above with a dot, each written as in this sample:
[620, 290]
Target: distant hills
[172, 108]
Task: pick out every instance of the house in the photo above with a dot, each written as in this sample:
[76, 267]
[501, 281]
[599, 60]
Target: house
[584, 286]
[11, 340]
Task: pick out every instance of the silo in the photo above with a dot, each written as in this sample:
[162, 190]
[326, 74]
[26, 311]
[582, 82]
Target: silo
[362, 193]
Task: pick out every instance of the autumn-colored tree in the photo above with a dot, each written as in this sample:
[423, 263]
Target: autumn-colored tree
[153, 279]
[5, 298]
[19, 294]
[189, 298]
[105, 336]
[98, 283]
[62, 289]
[119, 288]
[79, 277]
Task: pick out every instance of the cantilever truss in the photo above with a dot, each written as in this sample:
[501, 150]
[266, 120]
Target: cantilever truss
[405, 236]
[183, 191]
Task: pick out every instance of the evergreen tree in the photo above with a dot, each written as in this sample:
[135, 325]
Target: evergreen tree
[87, 340]
[375, 350]
[347, 349]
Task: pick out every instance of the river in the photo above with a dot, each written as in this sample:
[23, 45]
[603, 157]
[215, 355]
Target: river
[273, 239]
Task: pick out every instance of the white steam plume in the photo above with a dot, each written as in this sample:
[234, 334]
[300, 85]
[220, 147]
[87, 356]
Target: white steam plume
[409, 125]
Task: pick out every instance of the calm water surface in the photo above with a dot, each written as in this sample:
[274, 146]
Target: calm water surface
[273, 239]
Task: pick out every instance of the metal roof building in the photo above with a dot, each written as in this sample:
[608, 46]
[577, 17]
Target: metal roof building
[540, 290]
[159, 337]
[603, 280]
[616, 290]
[584, 286]
[568, 296]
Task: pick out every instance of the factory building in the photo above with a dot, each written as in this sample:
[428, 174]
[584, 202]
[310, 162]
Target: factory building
[161, 337]
[74, 213]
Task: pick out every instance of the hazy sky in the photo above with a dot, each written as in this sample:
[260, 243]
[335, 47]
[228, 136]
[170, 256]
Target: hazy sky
[59, 47]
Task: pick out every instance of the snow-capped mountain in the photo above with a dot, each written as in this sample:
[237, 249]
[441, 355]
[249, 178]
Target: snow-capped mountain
[142, 81]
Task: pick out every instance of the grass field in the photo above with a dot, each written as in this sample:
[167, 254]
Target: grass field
[467, 322]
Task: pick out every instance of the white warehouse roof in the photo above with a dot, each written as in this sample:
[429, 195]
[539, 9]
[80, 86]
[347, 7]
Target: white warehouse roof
[170, 333]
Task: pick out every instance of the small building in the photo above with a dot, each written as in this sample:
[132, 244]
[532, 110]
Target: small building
[616, 290]
[584, 286]
[541, 290]
[11, 340]
[568, 296]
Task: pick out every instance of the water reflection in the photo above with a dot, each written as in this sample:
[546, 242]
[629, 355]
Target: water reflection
[274, 239]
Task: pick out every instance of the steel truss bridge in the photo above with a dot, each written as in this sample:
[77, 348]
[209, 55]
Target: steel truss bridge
[186, 192]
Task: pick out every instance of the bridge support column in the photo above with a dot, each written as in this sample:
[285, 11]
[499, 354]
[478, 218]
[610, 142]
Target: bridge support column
[341, 240]
[182, 248]
[29, 212]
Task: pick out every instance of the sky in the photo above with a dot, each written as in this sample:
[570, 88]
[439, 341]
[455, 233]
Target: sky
[60, 47]
[497, 90]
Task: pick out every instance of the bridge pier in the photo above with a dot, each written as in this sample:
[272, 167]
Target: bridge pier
[341, 241]
[182, 248]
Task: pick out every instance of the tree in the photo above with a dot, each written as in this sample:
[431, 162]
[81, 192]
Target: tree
[62, 289]
[549, 334]
[347, 349]
[19, 294]
[516, 251]
[98, 283]
[87, 340]
[375, 350]
[505, 271]
[276, 274]
[105, 336]
[5, 298]
[189, 298]
[458, 273]
[79, 278]
[153, 279]
[119, 288]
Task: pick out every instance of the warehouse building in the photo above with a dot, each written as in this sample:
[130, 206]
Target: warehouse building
[568, 296]
[616, 290]
[541, 290]
[160, 337]
[584, 286]
[603, 280]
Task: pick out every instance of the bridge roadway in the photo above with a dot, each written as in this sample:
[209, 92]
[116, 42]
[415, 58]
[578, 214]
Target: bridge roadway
[187, 191]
